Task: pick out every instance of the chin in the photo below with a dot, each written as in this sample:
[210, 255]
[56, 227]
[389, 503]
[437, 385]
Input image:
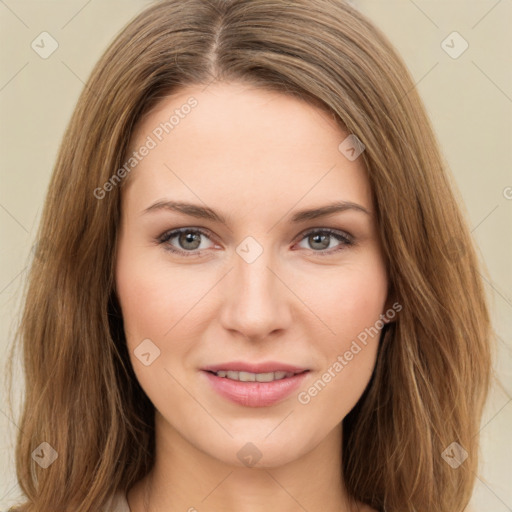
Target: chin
[260, 450]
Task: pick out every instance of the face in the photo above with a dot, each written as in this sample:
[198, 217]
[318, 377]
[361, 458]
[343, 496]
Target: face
[239, 275]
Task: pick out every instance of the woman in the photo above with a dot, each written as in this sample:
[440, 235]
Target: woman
[319, 346]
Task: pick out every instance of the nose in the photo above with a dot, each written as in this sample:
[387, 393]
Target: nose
[257, 302]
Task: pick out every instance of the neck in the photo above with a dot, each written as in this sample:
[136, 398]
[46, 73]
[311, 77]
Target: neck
[186, 478]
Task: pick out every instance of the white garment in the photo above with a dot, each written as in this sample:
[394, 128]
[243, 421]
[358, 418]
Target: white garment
[118, 503]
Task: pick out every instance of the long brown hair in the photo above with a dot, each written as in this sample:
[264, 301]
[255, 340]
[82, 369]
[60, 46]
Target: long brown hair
[433, 368]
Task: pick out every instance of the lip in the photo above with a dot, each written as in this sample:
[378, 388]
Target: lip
[255, 394]
[265, 367]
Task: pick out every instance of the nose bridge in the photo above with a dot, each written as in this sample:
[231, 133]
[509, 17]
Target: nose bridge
[256, 302]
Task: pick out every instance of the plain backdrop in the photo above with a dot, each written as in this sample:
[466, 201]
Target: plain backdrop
[468, 95]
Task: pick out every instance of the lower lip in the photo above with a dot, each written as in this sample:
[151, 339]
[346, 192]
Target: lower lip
[255, 394]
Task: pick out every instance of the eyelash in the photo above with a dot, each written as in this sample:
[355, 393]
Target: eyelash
[346, 239]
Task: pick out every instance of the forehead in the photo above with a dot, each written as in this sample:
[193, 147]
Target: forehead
[233, 139]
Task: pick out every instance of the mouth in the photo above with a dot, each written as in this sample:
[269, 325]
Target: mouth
[254, 377]
[254, 385]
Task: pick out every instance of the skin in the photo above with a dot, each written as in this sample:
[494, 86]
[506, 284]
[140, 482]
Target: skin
[256, 157]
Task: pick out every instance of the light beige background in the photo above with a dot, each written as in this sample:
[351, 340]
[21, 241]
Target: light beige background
[469, 100]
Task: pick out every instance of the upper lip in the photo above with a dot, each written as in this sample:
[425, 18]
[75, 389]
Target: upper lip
[266, 367]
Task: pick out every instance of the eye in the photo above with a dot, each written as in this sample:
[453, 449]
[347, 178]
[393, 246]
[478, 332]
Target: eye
[320, 239]
[188, 240]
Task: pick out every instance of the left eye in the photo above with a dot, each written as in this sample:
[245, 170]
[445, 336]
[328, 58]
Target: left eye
[189, 240]
[321, 239]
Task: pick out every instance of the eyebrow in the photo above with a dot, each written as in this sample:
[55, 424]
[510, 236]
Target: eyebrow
[203, 212]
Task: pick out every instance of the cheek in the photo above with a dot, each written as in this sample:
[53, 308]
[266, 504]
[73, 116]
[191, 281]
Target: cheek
[153, 297]
[143, 299]
[159, 303]
[361, 330]
[152, 305]
[361, 304]
[348, 300]
[351, 305]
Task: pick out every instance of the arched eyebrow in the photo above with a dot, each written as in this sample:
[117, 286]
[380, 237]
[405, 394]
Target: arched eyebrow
[204, 212]
[329, 209]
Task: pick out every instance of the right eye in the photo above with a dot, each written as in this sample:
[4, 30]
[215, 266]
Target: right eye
[188, 238]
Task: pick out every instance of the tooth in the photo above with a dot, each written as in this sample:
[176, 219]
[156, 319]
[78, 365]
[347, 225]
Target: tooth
[265, 377]
[246, 377]
[254, 377]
